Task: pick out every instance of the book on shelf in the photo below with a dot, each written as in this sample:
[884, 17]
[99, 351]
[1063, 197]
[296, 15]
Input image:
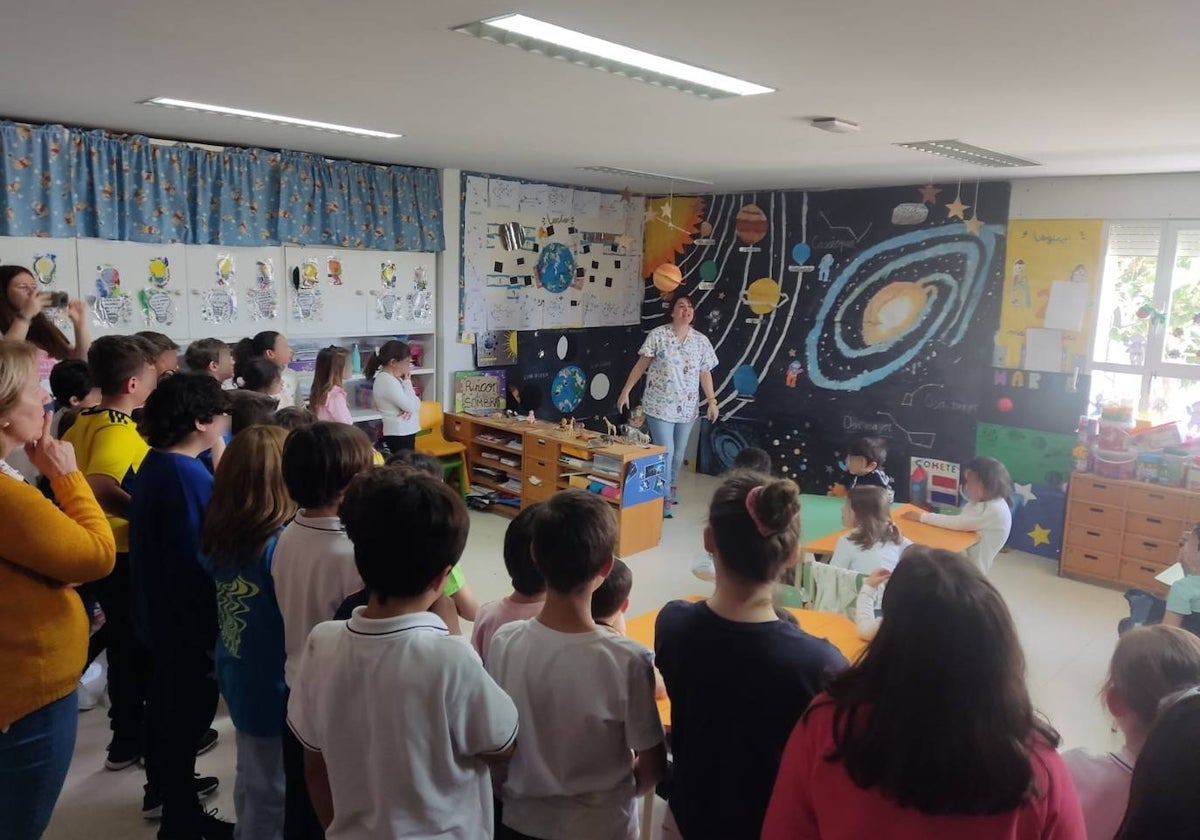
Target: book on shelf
[491, 456]
[608, 464]
[488, 437]
[605, 481]
[575, 463]
[515, 444]
[510, 462]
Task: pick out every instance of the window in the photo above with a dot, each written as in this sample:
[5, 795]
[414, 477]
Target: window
[1147, 342]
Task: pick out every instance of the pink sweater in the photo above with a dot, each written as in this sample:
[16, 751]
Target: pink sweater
[335, 407]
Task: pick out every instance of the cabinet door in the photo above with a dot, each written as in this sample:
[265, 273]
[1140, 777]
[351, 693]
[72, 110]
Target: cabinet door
[54, 265]
[131, 286]
[326, 290]
[401, 292]
[234, 292]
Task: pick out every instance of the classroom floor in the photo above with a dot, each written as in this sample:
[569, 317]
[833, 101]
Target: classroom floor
[1068, 630]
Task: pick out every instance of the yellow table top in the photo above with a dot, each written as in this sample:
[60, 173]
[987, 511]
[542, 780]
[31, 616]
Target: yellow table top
[838, 629]
[918, 532]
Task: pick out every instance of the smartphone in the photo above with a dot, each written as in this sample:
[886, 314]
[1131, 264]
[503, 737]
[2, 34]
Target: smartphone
[56, 300]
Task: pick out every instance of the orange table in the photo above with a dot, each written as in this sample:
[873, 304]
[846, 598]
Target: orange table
[838, 629]
[918, 532]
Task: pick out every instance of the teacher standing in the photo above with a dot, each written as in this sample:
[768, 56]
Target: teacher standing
[680, 361]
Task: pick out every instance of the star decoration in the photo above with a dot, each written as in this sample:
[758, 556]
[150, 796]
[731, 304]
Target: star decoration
[623, 241]
[665, 211]
[1039, 535]
[1025, 491]
[792, 353]
[721, 296]
[956, 209]
[626, 195]
[973, 225]
[929, 193]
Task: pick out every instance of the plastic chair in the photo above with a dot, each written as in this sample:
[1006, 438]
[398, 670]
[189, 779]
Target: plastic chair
[432, 441]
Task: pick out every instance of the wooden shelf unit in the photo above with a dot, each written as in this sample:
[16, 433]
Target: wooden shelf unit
[541, 473]
[1124, 533]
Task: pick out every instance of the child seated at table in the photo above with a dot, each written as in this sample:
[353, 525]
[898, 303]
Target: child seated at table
[1183, 599]
[874, 541]
[529, 587]
[864, 466]
[988, 489]
[720, 655]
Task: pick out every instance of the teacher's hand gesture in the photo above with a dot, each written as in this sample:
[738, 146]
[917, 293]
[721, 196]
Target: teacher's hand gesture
[623, 401]
[713, 412]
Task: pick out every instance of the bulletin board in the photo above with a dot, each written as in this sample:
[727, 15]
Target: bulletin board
[538, 256]
[1051, 286]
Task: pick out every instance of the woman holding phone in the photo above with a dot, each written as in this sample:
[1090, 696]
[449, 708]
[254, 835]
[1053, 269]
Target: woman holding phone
[22, 317]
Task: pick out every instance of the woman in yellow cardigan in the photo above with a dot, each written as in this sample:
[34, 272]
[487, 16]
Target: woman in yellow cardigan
[44, 551]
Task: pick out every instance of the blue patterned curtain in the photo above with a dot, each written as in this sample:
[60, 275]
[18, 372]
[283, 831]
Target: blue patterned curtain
[65, 182]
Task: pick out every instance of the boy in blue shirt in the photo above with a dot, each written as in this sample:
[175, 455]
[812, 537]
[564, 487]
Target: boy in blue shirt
[173, 601]
[1183, 600]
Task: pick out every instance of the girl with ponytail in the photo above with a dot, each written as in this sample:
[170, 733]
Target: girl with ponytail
[875, 542]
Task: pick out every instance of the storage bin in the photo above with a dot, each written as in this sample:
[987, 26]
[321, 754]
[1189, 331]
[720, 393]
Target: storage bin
[1172, 471]
[1115, 465]
[1147, 466]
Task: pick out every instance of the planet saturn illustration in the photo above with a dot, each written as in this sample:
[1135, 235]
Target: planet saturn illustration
[763, 296]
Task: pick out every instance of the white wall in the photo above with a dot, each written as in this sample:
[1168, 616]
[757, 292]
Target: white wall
[452, 356]
[1113, 197]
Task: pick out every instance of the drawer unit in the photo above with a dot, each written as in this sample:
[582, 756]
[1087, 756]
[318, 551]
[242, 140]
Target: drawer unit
[1193, 510]
[1154, 526]
[1140, 574]
[1092, 539]
[542, 448]
[543, 468]
[533, 493]
[1088, 488]
[1159, 501]
[455, 429]
[1096, 515]
[1094, 563]
[1162, 552]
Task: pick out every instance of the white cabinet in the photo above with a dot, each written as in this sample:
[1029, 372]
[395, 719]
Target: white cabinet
[326, 289]
[129, 286]
[401, 295]
[54, 265]
[235, 292]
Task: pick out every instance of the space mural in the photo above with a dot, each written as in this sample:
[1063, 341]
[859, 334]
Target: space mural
[837, 315]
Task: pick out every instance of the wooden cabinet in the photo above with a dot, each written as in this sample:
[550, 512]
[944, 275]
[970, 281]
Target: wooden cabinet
[525, 463]
[1124, 533]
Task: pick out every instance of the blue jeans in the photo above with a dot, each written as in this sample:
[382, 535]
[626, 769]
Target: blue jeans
[674, 436]
[258, 790]
[35, 753]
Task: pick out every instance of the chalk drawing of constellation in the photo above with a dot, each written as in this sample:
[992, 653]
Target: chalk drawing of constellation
[908, 397]
[857, 237]
[925, 440]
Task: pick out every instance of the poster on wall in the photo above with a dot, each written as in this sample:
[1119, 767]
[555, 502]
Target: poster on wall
[541, 256]
[497, 348]
[933, 484]
[1051, 284]
[481, 393]
[837, 315]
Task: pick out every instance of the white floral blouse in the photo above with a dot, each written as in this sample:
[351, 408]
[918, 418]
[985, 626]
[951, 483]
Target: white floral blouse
[673, 380]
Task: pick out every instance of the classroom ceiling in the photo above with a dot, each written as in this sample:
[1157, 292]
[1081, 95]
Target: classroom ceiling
[1085, 87]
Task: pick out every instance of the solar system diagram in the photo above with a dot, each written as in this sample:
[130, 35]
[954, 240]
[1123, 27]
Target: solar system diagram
[836, 315]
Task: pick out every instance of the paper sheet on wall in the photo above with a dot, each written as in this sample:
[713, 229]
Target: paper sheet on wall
[535, 198]
[1043, 350]
[611, 206]
[558, 200]
[1068, 302]
[585, 203]
[504, 194]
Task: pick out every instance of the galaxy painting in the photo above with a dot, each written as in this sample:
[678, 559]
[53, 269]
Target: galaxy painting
[839, 314]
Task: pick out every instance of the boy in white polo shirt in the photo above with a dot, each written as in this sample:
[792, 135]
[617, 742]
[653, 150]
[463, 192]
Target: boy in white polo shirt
[591, 738]
[398, 718]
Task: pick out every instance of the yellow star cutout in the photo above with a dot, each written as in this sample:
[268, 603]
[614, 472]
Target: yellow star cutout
[929, 193]
[665, 210]
[956, 209]
[1039, 535]
[973, 225]
[623, 241]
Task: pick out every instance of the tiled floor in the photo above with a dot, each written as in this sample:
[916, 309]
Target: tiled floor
[1068, 630]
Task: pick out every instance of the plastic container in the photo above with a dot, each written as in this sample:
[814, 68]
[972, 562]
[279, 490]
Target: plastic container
[1173, 469]
[1147, 466]
[1113, 437]
[1193, 475]
[1114, 464]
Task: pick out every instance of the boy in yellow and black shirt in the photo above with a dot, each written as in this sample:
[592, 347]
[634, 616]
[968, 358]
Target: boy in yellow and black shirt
[109, 451]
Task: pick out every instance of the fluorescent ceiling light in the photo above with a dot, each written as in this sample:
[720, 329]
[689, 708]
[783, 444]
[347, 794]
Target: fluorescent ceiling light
[965, 152]
[646, 176]
[259, 116]
[538, 36]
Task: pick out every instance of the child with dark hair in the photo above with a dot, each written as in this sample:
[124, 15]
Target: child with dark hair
[754, 459]
[420, 461]
[988, 489]
[272, 346]
[611, 598]
[164, 350]
[313, 567]
[173, 600]
[529, 587]
[713, 654]
[390, 371]
[262, 376]
[73, 390]
[211, 356]
[580, 691]
[931, 733]
[250, 408]
[293, 417]
[389, 695]
[110, 452]
[864, 465]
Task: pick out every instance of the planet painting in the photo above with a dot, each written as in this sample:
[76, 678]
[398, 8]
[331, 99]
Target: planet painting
[667, 278]
[556, 268]
[745, 381]
[750, 224]
[892, 311]
[763, 296]
[567, 388]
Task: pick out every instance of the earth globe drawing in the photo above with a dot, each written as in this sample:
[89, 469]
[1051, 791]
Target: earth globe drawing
[556, 267]
[568, 387]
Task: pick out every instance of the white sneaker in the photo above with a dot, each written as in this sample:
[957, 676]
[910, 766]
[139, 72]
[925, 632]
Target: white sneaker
[704, 569]
[91, 687]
